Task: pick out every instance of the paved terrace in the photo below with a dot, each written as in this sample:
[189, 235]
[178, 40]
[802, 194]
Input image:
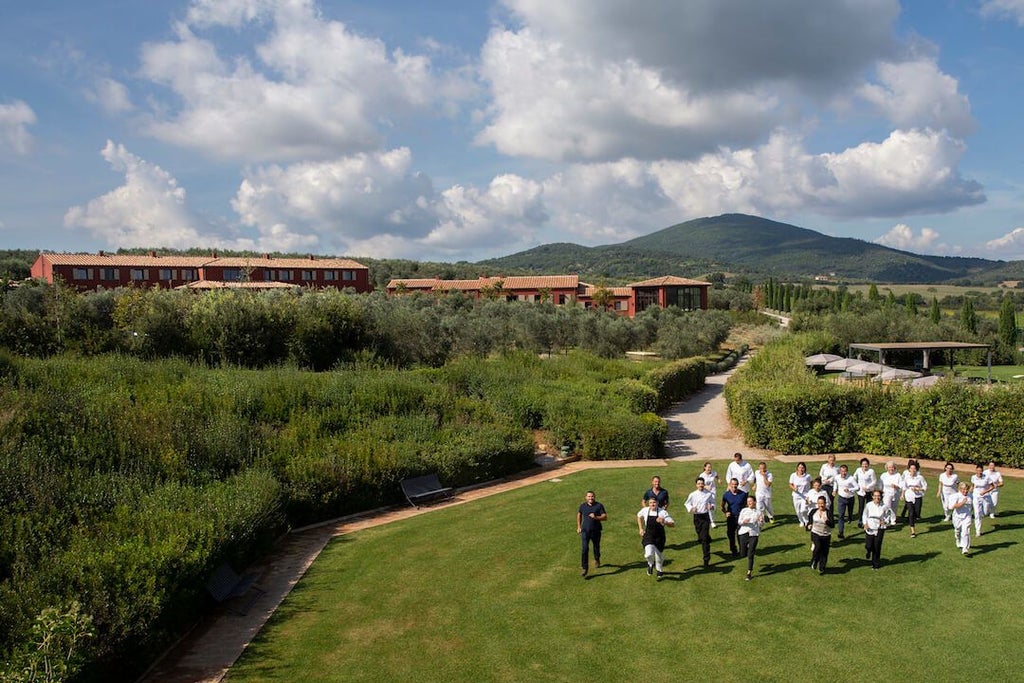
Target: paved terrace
[698, 430]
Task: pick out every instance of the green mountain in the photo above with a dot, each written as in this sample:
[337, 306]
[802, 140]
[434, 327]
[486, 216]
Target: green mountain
[750, 245]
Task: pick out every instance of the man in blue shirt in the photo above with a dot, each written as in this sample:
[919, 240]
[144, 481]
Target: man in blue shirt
[657, 492]
[588, 526]
[733, 501]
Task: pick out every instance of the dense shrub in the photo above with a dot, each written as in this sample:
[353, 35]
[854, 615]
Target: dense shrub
[778, 404]
[675, 381]
[124, 482]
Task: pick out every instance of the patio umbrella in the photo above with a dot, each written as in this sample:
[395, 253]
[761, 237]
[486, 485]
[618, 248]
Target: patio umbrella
[866, 368]
[926, 381]
[897, 373]
[821, 359]
[842, 363]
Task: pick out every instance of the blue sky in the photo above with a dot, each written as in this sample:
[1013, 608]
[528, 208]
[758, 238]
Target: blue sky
[461, 130]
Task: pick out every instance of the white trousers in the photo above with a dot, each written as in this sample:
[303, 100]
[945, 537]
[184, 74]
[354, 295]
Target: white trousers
[654, 556]
[962, 531]
[764, 505]
[981, 508]
[800, 507]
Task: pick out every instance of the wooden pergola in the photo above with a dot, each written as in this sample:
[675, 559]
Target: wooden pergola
[925, 348]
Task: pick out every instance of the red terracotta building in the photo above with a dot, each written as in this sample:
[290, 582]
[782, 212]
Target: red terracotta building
[567, 289]
[92, 271]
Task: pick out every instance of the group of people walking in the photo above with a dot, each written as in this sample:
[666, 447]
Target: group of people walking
[815, 501]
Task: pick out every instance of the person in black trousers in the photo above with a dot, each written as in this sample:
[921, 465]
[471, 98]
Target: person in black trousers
[700, 503]
[820, 526]
[733, 501]
[588, 526]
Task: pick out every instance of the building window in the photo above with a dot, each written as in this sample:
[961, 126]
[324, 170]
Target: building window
[232, 274]
[81, 273]
[280, 275]
[166, 274]
[189, 274]
[330, 275]
[307, 276]
[563, 299]
[620, 305]
[688, 298]
[348, 275]
[645, 298]
[108, 273]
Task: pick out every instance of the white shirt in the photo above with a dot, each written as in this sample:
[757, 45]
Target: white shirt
[960, 512]
[699, 502]
[645, 514]
[710, 479]
[813, 496]
[982, 484]
[763, 490]
[846, 487]
[750, 521]
[892, 482]
[742, 472]
[866, 480]
[995, 477]
[914, 486]
[828, 474]
[876, 516]
[801, 482]
[949, 483]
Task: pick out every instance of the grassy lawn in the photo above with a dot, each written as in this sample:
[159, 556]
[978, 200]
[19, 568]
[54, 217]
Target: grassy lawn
[1003, 373]
[490, 591]
[927, 291]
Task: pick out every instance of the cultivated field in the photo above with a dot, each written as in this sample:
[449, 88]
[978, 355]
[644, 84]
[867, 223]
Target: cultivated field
[490, 591]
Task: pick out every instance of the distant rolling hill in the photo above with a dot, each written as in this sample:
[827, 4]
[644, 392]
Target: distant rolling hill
[748, 244]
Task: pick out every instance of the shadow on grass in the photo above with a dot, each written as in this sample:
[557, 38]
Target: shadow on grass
[992, 547]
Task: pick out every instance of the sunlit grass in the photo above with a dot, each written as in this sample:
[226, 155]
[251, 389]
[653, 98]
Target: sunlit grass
[490, 591]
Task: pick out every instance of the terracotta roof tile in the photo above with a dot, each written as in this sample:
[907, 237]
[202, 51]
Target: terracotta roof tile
[218, 284]
[414, 283]
[172, 261]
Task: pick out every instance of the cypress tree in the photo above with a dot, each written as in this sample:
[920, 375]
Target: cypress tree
[935, 314]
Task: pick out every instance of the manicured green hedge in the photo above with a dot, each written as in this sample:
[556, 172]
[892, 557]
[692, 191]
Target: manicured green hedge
[675, 381]
[778, 404]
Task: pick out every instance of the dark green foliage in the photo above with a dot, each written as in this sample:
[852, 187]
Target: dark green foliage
[778, 404]
[123, 483]
[676, 381]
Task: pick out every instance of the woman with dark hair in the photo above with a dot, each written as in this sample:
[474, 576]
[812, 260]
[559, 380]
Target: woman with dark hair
[914, 487]
[751, 520]
[876, 518]
[820, 525]
[800, 484]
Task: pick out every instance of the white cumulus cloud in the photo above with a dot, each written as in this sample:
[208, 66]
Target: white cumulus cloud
[148, 210]
[916, 94]
[1009, 247]
[909, 172]
[14, 121]
[902, 236]
[314, 89]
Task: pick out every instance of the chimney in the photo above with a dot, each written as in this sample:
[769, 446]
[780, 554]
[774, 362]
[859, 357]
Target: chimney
[101, 253]
[153, 254]
[214, 253]
[311, 257]
[266, 256]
